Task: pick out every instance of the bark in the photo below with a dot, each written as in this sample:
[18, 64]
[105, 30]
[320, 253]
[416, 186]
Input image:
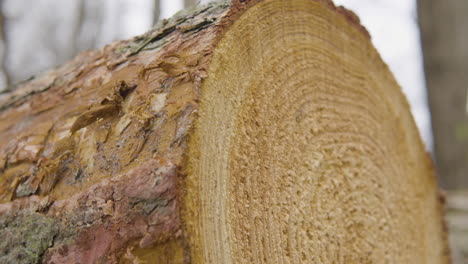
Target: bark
[445, 49]
[251, 132]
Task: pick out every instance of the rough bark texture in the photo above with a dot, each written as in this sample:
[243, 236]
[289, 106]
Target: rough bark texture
[445, 47]
[105, 160]
[124, 112]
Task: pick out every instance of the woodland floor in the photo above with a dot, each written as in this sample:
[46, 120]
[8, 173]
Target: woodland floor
[457, 220]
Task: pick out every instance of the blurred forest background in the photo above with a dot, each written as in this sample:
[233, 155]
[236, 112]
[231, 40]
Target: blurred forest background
[37, 35]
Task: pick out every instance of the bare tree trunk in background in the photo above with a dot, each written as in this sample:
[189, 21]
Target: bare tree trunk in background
[77, 28]
[189, 3]
[156, 11]
[90, 21]
[445, 47]
[4, 78]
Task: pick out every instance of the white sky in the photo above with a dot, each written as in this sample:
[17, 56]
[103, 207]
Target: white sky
[170, 7]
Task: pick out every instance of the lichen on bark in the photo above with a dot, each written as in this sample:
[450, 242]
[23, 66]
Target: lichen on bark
[25, 237]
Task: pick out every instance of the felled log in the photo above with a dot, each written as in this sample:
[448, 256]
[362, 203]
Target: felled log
[252, 132]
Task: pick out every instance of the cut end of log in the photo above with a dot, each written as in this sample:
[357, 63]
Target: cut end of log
[305, 150]
[258, 132]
